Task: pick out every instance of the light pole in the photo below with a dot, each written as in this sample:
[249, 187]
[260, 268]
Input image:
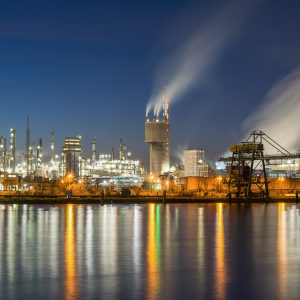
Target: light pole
[200, 162]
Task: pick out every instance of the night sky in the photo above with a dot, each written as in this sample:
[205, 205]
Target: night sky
[90, 67]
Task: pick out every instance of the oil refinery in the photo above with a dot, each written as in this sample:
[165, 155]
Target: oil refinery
[103, 169]
[250, 172]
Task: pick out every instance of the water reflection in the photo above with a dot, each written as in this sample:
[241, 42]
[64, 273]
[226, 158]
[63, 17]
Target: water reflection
[282, 251]
[220, 273]
[153, 251]
[137, 246]
[149, 251]
[109, 249]
[201, 242]
[89, 259]
[70, 257]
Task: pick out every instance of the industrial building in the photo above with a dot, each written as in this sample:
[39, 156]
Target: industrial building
[157, 135]
[71, 156]
[32, 166]
[194, 163]
[107, 165]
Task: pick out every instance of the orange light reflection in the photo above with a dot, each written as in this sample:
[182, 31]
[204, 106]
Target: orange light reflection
[221, 277]
[70, 256]
[282, 253]
[151, 254]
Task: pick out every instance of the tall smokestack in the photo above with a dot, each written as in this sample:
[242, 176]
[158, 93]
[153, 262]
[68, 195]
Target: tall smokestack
[28, 137]
[39, 151]
[52, 146]
[29, 152]
[12, 150]
[94, 150]
[2, 153]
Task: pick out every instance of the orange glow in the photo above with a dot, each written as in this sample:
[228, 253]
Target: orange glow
[70, 256]
[282, 253]
[221, 277]
[151, 253]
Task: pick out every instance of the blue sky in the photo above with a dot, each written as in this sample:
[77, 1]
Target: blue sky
[89, 68]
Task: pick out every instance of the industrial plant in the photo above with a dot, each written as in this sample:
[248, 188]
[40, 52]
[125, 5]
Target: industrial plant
[101, 169]
[248, 172]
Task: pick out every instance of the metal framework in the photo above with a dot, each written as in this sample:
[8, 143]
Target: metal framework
[247, 176]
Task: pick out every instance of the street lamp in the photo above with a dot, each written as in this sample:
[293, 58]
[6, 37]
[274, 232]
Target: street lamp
[200, 162]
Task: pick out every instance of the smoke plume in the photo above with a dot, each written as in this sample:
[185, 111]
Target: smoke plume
[191, 62]
[279, 114]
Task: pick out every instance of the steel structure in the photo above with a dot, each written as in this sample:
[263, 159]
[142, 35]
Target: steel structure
[247, 176]
[72, 156]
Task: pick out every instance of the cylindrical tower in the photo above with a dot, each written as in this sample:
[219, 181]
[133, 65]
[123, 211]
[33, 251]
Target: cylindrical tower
[52, 146]
[2, 153]
[12, 150]
[94, 151]
[157, 135]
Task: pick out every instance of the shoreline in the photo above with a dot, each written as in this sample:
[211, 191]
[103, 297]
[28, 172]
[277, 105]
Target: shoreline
[136, 200]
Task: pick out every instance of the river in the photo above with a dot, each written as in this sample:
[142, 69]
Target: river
[150, 251]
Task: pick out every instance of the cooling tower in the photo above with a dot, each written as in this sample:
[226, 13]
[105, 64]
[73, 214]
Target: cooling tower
[157, 136]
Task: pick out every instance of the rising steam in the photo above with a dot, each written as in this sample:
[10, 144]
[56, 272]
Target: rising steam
[279, 114]
[191, 62]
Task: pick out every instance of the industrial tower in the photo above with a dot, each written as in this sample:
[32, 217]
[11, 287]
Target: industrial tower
[158, 136]
[52, 146]
[12, 150]
[94, 151]
[247, 176]
[72, 156]
[29, 151]
[2, 153]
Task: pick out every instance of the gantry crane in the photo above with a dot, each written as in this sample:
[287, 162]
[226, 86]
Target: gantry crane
[247, 176]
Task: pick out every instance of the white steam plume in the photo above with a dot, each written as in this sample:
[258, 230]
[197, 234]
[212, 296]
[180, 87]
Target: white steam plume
[279, 114]
[179, 152]
[192, 61]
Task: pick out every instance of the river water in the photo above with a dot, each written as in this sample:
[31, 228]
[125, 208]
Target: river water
[151, 251]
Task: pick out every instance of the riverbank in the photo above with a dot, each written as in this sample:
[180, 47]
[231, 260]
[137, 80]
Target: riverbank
[135, 200]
